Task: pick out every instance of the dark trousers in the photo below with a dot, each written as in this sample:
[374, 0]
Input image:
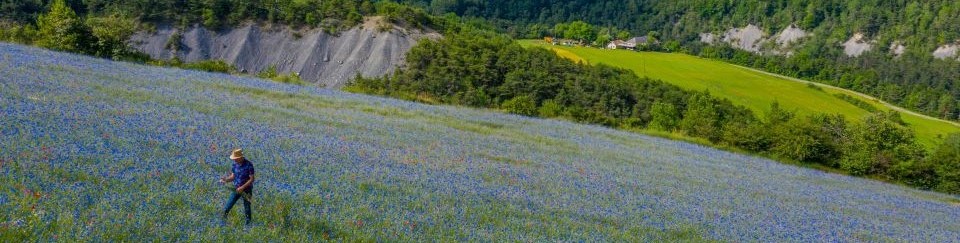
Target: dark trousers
[246, 204]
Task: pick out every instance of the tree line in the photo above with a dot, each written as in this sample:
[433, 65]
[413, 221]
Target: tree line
[914, 80]
[480, 69]
[332, 15]
[102, 28]
[60, 28]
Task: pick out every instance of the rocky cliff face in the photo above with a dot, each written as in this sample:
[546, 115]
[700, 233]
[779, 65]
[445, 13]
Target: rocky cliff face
[372, 50]
[752, 38]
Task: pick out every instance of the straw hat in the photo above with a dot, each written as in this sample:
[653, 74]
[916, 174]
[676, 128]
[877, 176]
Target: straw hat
[236, 154]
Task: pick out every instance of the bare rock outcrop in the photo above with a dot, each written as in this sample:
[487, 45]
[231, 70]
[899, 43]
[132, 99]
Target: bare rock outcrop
[789, 36]
[946, 51]
[371, 50]
[751, 38]
[708, 38]
[897, 48]
[856, 45]
[747, 38]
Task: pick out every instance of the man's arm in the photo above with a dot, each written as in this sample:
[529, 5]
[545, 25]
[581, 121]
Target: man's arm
[228, 178]
[246, 185]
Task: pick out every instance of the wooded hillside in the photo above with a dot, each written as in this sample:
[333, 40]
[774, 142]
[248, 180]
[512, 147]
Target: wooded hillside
[915, 79]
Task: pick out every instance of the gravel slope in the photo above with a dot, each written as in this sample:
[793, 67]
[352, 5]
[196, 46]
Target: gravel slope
[329, 60]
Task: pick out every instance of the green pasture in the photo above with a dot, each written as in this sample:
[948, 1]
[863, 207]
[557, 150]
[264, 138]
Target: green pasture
[753, 89]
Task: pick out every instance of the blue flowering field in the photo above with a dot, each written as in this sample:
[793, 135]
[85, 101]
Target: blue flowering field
[96, 150]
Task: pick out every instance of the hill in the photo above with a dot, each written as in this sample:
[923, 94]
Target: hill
[100, 150]
[750, 88]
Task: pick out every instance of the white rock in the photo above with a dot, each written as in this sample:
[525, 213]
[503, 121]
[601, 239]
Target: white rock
[946, 51]
[897, 48]
[856, 45]
[790, 35]
[708, 38]
[746, 38]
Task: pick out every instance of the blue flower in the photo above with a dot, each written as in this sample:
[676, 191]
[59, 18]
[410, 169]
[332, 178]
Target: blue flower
[138, 148]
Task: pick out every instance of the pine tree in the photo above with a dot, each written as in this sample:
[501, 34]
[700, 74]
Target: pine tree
[61, 29]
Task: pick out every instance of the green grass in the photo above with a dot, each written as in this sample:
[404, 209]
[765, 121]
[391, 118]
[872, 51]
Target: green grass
[747, 87]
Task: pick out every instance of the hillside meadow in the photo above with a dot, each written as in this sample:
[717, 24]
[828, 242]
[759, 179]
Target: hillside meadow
[95, 150]
[743, 86]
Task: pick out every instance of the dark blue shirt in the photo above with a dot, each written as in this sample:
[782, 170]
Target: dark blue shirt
[242, 173]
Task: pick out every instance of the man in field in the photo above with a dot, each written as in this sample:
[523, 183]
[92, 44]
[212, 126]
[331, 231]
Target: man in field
[242, 176]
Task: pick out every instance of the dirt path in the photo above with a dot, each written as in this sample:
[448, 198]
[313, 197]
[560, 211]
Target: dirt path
[888, 105]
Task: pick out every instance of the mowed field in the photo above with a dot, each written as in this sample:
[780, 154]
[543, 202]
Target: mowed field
[94, 150]
[753, 89]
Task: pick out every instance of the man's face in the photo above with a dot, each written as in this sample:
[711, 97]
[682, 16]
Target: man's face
[238, 160]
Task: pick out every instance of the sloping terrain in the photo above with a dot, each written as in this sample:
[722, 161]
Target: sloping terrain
[327, 59]
[106, 151]
[753, 89]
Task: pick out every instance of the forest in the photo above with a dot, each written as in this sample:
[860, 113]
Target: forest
[914, 80]
[332, 14]
[102, 27]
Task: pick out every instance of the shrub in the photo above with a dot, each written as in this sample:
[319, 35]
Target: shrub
[293, 78]
[700, 118]
[795, 140]
[877, 144]
[550, 108]
[112, 33]
[218, 66]
[749, 135]
[856, 102]
[664, 116]
[521, 105]
[16, 33]
[271, 74]
[947, 164]
[268, 73]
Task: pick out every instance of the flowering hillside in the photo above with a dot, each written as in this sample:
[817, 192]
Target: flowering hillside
[104, 151]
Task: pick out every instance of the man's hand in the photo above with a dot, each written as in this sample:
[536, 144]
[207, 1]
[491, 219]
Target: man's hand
[240, 189]
[221, 181]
